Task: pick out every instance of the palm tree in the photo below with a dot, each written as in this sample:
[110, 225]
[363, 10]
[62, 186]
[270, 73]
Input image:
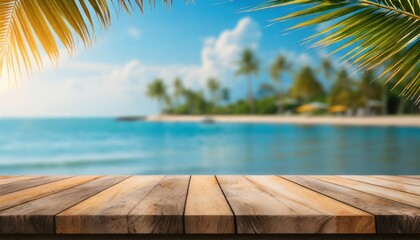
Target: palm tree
[370, 31]
[305, 85]
[178, 90]
[30, 27]
[278, 67]
[327, 67]
[396, 89]
[195, 101]
[368, 88]
[342, 90]
[214, 87]
[157, 89]
[248, 66]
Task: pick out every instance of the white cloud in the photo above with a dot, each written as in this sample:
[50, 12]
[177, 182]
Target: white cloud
[134, 32]
[220, 54]
[96, 88]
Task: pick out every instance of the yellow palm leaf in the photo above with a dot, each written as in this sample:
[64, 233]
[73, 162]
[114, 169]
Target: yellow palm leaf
[29, 28]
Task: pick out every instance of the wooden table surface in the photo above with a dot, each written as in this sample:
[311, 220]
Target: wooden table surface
[209, 204]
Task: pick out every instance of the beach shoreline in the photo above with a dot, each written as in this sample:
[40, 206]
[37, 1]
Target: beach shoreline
[400, 121]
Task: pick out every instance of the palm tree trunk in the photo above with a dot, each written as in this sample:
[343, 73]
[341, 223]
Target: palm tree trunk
[160, 106]
[279, 98]
[176, 102]
[250, 95]
[214, 100]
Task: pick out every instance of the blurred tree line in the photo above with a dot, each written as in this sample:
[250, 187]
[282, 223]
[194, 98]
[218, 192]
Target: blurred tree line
[363, 95]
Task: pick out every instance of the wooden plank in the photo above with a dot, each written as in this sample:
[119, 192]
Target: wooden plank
[15, 198]
[386, 183]
[398, 196]
[211, 237]
[391, 216]
[317, 213]
[20, 185]
[412, 180]
[162, 210]
[256, 211]
[16, 179]
[107, 211]
[6, 176]
[38, 216]
[411, 176]
[207, 210]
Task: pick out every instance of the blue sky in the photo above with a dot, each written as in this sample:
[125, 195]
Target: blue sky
[193, 41]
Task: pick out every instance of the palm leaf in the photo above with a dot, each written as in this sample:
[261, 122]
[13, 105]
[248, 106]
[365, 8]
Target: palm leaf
[371, 33]
[30, 28]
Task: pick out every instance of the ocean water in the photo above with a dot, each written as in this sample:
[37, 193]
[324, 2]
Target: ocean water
[104, 146]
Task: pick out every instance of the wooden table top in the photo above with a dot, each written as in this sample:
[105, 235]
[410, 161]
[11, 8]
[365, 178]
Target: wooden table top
[209, 204]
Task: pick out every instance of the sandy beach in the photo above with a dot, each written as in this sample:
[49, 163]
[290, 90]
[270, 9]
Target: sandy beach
[408, 121]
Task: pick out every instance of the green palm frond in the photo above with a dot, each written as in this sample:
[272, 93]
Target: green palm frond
[248, 63]
[370, 32]
[29, 28]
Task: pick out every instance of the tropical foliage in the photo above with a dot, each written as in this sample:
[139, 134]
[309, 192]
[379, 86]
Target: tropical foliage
[370, 32]
[342, 91]
[266, 89]
[178, 89]
[327, 68]
[157, 89]
[305, 85]
[322, 88]
[277, 68]
[31, 27]
[248, 65]
[369, 89]
[214, 87]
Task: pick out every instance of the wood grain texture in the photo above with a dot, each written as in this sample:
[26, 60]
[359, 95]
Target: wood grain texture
[15, 198]
[398, 196]
[15, 179]
[392, 184]
[411, 176]
[207, 210]
[106, 212]
[162, 210]
[391, 216]
[210, 237]
[4, 176]
[257, 211]
[38, 216]
[317, 213]
[411, 180]
[209, 204]
[24, 184]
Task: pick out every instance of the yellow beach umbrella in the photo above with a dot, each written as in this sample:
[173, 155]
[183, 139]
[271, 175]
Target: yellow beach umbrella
[338, 108]
[306, 108]
[311, 107]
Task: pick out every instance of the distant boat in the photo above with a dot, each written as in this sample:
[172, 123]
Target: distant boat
[208, 120]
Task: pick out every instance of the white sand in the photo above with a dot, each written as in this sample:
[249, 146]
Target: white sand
[412, 121]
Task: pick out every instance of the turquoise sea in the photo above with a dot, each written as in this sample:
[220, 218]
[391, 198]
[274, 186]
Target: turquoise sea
[105, 146]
